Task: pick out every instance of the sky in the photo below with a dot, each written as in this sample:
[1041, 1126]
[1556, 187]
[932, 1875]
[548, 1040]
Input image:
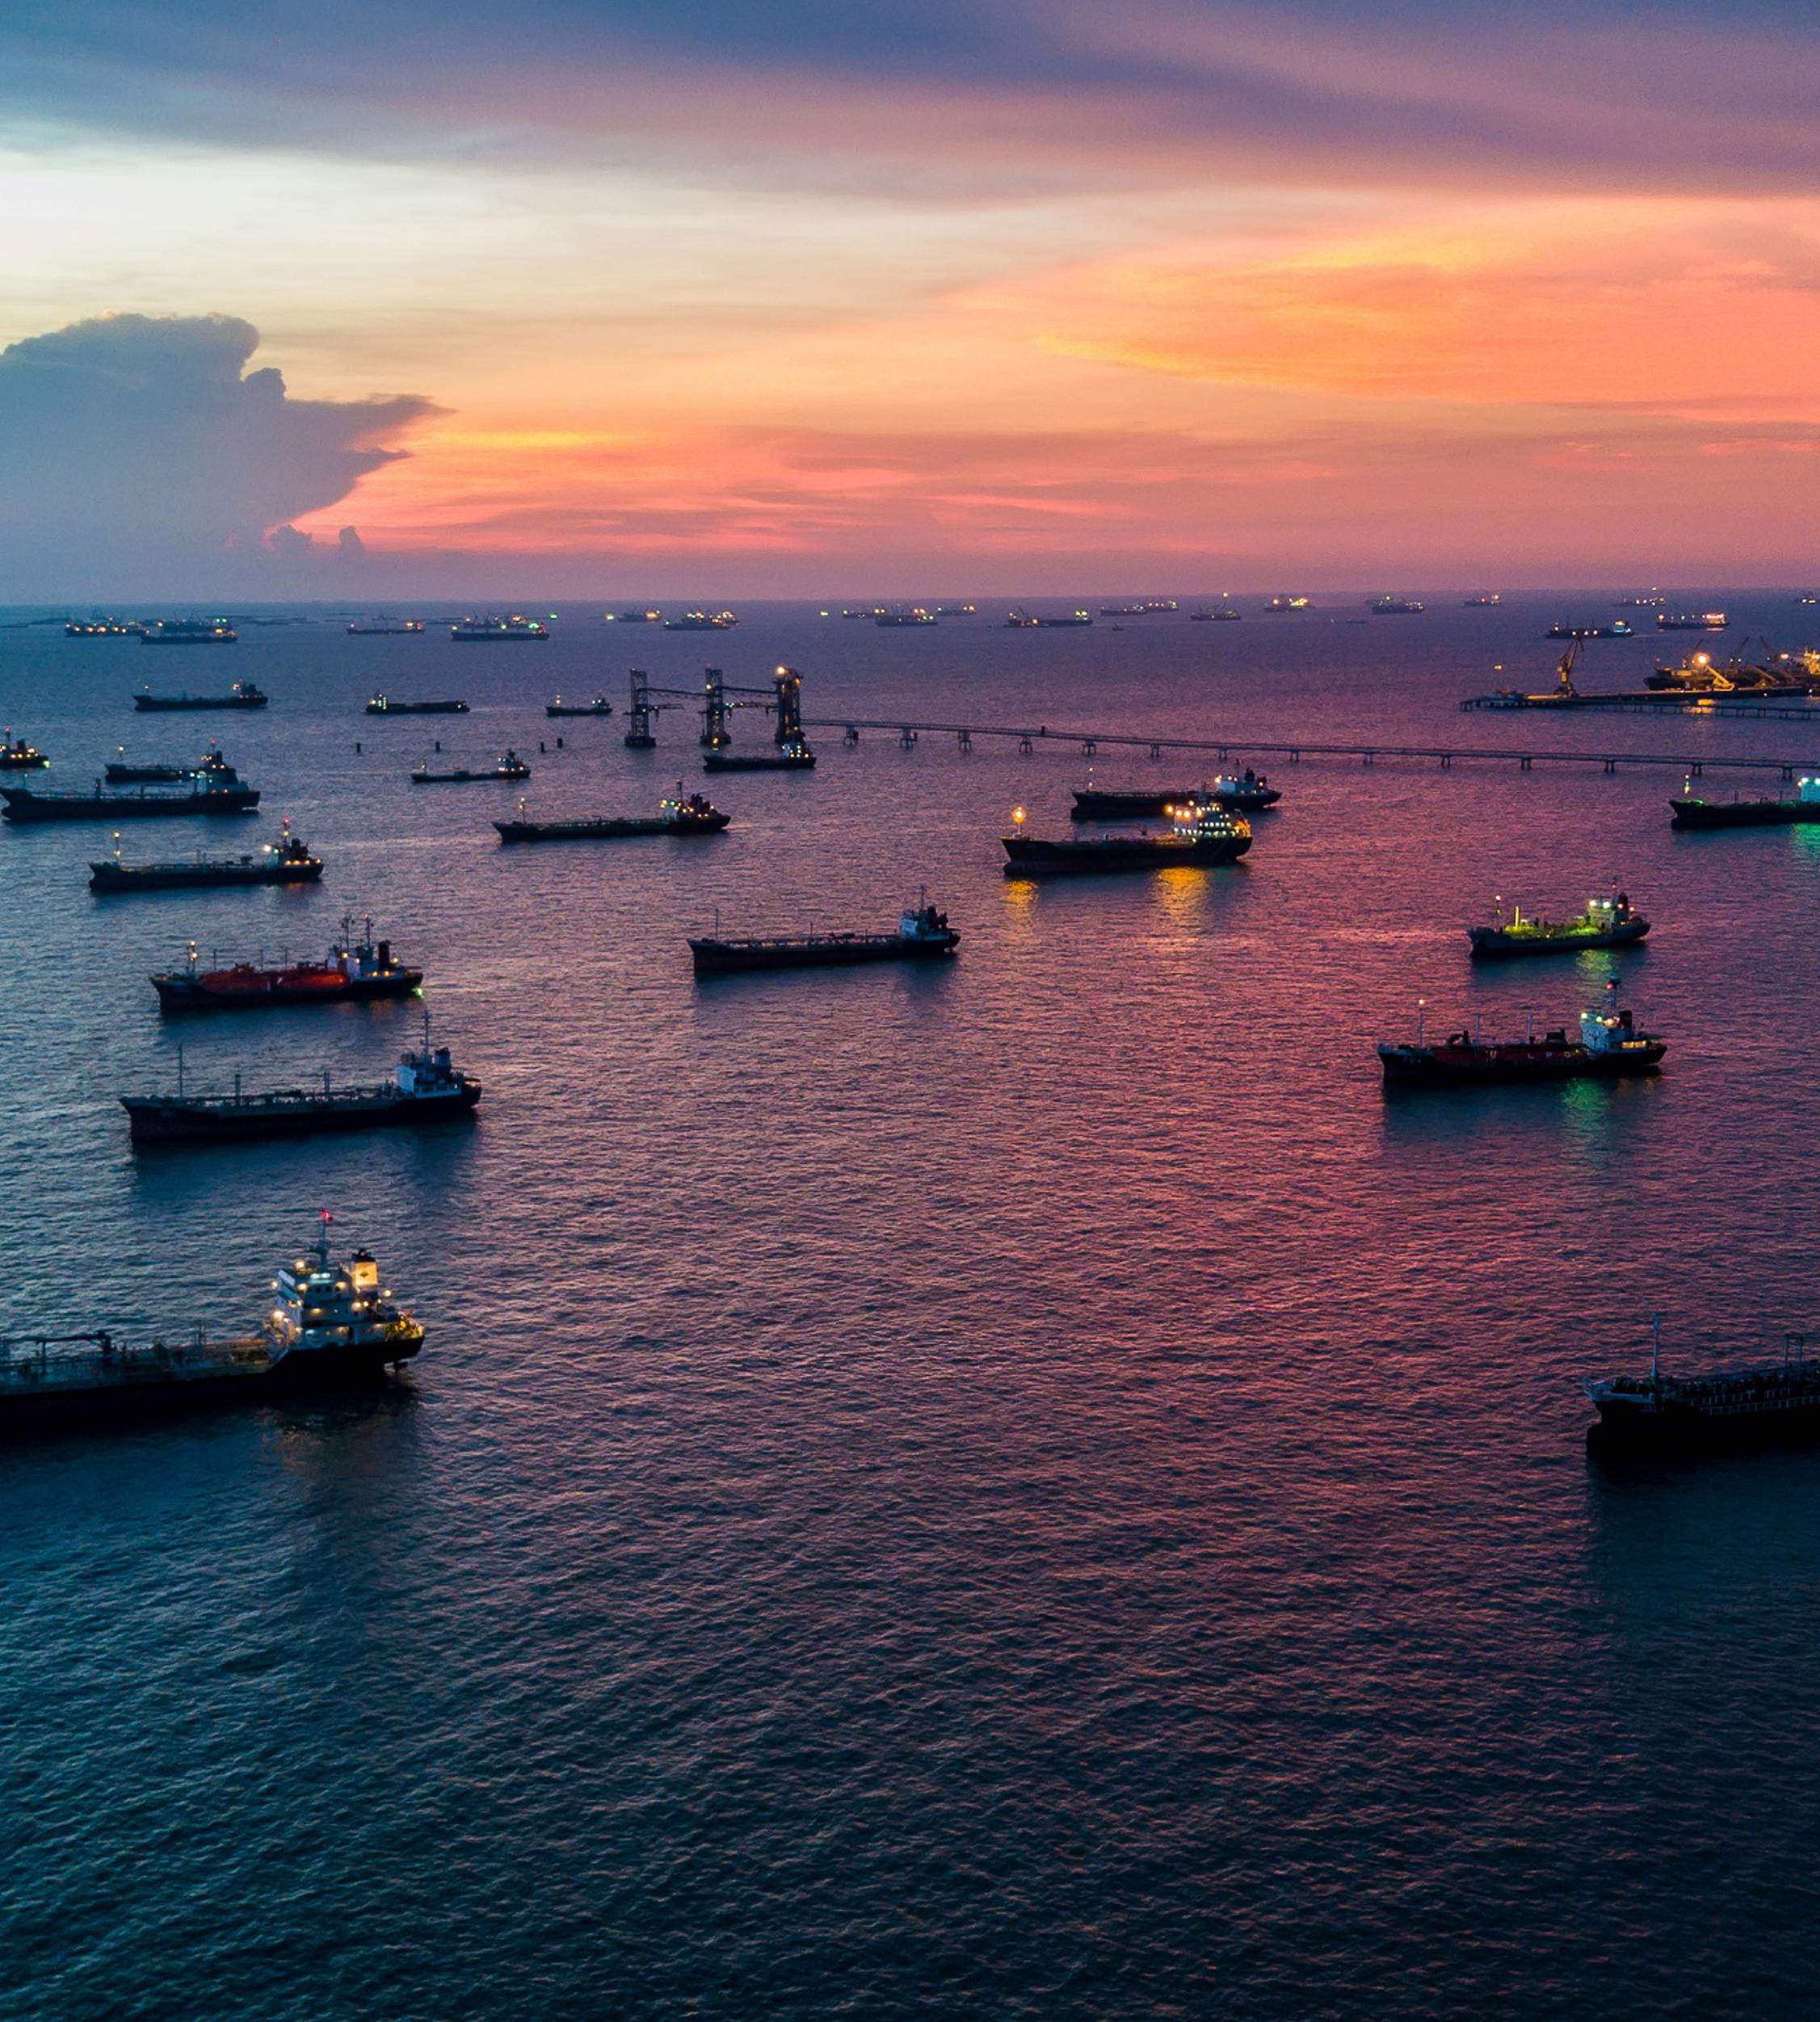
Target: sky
[915, 298]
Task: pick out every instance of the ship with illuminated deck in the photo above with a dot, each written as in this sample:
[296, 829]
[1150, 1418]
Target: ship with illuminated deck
[1201, 834]
[1608, 1047]
[354, 971]
[329, 1327]
[1607, 923]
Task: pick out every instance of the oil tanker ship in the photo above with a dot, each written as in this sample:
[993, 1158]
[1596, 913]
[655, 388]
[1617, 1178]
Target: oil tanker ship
[242, 695]
[1689, 811]
[16, 756]
[599, 706]
[389, 705]
[923, 935]
[425, 1087]
[1607, 923]
[493, 628]
[1749, 1404]
[680, 815]
[188, 632]
[511, 766]
[354, 971]
[1199, 835]
[1609, 1047]
[287, 861]
[329, 1327]
[1248, 791]
[211, 795]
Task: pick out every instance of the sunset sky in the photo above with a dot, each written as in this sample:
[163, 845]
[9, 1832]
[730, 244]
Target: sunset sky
[812, 298]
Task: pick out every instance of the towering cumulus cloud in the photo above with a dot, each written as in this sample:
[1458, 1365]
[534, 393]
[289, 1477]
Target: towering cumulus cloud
[139, 450]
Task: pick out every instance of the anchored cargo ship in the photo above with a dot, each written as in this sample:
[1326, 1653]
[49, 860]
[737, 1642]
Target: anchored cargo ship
[425, 1087]
[329, 1327]
[1750, 1404]
[634, 617]
[212, 765]
[793, 755]
[355, 972]
[210, 796]
[1691, 811]
[1217, 614]
[701, 621]
[103, 628]
[1397, 607]
[496, 628]
[1607, 923]
[287, 861]
[923, 933]
[1283, 601]
[1248, 791]
[1486, 600]
[188, 632]
[1608, 628]
[916, 617]
[600, 706]
[1609, 1047]
[1200, 834]
[511, 766]
[1691, 621]
[681, 814]
[243, 695]
[382, 627]
[389, 706]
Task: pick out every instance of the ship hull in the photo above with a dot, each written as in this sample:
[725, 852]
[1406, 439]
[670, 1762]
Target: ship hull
[157, 705]
[1428, 1067]
[151, 1121]
[178, 877]
[1494, 942]
[1031, 856]
[755, 762]
[23, 804]
[608, 831]
[159, 1393]
[563, 708]
[1674, 1432]
[469, 779]
[1742, 814]
[182, 993]
[1091, 805]
[726, 958]
[418, 708]
[497, 638]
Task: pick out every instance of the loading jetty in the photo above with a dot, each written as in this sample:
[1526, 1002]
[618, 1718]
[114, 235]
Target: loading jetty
[327, 1327]
[923, 935]
[680, 815]
[287, 861]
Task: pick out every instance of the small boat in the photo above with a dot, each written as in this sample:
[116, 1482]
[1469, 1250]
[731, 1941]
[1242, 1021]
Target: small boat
[497, 629]
[326, 1326]
[384, 628]
[355, 972]
[794, 755]
[680, 815]
[425, 1087]
[1727, 1410]
[1250, 792]
[1691, 811]
[201, 797]
[923, 933]
[600, 706]
[1609, 1047]
[287, 861]
[511, 766]
[1199, 835]
[16, 756]
[389, 705]
[188, 632]
[243, 695]
[1607, 923]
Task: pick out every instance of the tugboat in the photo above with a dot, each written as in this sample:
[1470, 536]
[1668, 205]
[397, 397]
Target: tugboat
[680, 815]
[210, 766]
[1200, 834]
[384, 705]
[1607, 923]
[1249, 791]
[210, 796]
[1609, 1046]
[16, 756]
[425, 1087]
[328, 1326]
[923, 933]
[243, 695]
[287, 861]
[1691, 811]
[188, 632]
[600, 706]
[793, 755]
[355, 972]
[1389, 606]
[511, 766]
[1750, 1404]
[384, 628]
[494, 629]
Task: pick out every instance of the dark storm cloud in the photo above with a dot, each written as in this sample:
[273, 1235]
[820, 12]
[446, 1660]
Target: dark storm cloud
[135, 448]
[1593, 93]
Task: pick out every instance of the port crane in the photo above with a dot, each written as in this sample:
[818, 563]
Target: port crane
[718, 698]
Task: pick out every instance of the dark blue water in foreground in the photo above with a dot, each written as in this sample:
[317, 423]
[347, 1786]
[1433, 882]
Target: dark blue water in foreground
[1024, 1491]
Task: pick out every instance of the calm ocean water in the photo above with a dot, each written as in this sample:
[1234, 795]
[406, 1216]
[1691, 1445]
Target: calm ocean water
[1023, 1490]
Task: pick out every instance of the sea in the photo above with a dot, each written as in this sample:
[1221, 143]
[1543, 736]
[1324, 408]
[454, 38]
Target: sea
[1017, 1487]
